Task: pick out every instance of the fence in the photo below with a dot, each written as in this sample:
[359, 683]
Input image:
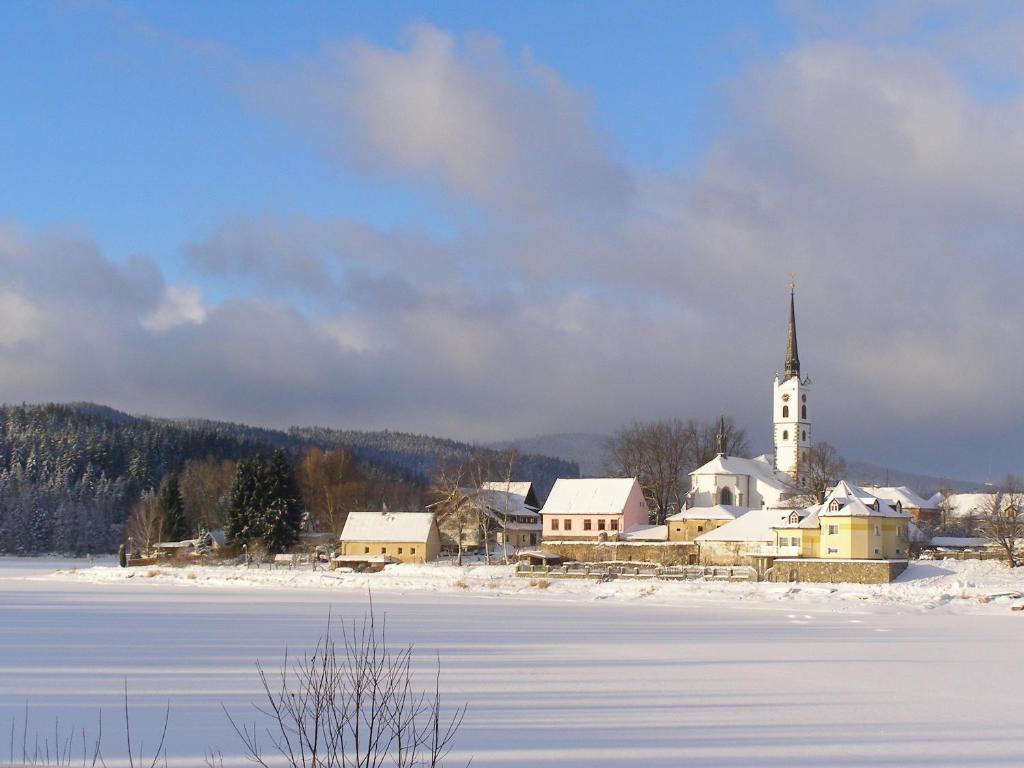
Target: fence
[610, 571]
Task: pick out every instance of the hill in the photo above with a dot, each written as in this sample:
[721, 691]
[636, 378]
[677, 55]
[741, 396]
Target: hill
[70, 473]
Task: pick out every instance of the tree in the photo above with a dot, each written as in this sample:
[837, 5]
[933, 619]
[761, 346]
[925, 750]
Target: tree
[146, 524]
[265, 503]
[661, 454]
[206, 488]
[332, 486]
[821, 467]
[1000, 519]
[172, 508]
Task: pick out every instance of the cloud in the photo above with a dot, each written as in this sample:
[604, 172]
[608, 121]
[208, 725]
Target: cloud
[501, 132]
[181, 305]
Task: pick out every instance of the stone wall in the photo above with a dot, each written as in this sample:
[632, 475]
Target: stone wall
[837, 571]
[620, 551]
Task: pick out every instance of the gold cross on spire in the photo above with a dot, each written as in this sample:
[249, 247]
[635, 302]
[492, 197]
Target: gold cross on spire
[792, 281]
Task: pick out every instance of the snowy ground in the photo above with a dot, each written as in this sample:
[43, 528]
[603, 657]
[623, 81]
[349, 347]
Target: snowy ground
[918, 673]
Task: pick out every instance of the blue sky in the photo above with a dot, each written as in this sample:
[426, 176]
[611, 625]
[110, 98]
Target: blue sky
[490, 220]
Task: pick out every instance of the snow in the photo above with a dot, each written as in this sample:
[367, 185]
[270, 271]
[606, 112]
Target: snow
[717, 512]
[593, 496]
[645, 533]
[759, 467]
[756, 525]
[900, 493]
[387, 526]
[581, 674]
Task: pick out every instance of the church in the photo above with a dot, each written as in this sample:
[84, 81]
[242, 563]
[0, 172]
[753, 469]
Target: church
[764, 482]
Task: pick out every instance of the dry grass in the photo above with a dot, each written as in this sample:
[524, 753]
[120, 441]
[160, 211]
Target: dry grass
[540, 583]
[152, 572]
[460, 584]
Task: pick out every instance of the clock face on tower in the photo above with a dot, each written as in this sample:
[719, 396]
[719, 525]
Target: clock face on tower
[785, 398]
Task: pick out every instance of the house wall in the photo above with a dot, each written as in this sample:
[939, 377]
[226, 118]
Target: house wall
[707, 490]
[857, 538]
[634, 512]
[403, 551]
[688, 530]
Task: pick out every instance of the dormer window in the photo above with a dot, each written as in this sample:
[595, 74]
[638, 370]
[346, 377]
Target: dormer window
[899, 507]
[794, 518]
[874, 505]
[834, 506]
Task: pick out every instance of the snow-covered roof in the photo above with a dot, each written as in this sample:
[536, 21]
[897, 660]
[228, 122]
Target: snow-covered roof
[515, 488]
[900, 493]
[500, 502]
[966, 504]
[936, 499]
[387, 526]
[593, 496]
[717, 512]
[759, 467]
[755, 525]
[856, 501]
[645, 533]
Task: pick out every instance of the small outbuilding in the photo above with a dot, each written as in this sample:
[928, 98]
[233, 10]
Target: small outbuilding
[406, 537]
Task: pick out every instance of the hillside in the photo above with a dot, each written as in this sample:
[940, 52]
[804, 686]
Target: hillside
[70, 473]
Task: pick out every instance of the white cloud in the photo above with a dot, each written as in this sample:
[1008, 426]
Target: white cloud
[180, 305]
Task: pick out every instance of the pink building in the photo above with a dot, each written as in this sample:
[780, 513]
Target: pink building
[594, 508]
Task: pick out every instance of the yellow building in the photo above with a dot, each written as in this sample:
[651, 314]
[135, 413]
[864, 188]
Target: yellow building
[850, 525]
[407, 537]
[688, 524]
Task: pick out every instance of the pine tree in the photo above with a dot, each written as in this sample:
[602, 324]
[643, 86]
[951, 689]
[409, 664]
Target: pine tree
[284, 513]
[172, 507]
[245, 501]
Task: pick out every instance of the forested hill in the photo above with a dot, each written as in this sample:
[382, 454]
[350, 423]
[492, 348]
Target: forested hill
[70, 473]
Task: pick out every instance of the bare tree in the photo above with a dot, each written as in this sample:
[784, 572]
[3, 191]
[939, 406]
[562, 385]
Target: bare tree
[661, 454]
[146, 524]
[1000, 518]
[353, 706]
[332, 486]
[822, 467]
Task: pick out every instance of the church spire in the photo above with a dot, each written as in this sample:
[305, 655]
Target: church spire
[721, 440]
[792, 355]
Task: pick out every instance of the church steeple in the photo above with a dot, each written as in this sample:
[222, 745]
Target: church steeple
[721, 440]
[792, 354]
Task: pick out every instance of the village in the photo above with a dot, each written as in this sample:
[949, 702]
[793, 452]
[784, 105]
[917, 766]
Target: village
[778, 517]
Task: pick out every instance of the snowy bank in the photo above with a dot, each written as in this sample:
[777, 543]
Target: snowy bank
[970, 585]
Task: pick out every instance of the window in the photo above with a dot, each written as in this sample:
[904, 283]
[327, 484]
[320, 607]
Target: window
[567, 524]
[399, 550]
[726, 496]
[366, 550]
[877, 552]
[615, 524]
[833, 530]
[803, 398]
[804, 433]
[554, 524]
[833, 551]
[794, 518]
[587, 524]
[785, 411]
[803, 411]
[700, 529]
[600, 524]
[834, 506]
[785, 434]
[412, 550]
[795, 541]
[878, 531]
[383, 550]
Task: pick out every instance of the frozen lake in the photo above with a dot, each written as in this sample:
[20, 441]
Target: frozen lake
[550, 680]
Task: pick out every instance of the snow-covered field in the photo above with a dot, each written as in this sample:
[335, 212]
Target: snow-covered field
[924, 672]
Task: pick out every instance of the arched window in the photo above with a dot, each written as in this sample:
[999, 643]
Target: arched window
[725, 497]
[785, 411]
[803, 411]
[785, 434]
[804, 433]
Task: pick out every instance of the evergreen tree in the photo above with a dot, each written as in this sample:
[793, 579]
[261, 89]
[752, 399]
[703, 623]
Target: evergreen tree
[172, 508]
[246, 501]
[284, 513]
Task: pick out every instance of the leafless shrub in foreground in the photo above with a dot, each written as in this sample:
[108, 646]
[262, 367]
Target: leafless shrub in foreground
[350, 705]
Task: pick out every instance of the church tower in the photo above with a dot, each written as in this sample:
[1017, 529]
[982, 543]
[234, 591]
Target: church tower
[792, 432]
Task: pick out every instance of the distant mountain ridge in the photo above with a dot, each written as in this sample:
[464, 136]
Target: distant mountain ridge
[587, 450]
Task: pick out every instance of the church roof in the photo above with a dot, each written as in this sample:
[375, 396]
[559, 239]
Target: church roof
[792, 353]
[759, 467]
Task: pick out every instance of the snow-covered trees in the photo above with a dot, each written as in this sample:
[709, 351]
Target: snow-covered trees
[1000, 519]
[172, 508]
[265, 504]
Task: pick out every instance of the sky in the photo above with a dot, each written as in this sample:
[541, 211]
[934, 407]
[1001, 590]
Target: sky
[497, 220]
